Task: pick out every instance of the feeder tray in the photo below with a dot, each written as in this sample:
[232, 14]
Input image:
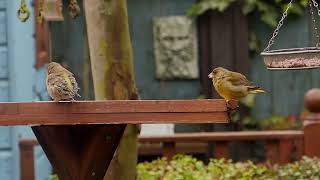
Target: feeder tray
[292, 59]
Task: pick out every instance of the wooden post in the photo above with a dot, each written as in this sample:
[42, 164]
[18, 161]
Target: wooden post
[112, 70]
[27, 159]
[221, 149]
[285, 149]
[311, 124]
[169, 149]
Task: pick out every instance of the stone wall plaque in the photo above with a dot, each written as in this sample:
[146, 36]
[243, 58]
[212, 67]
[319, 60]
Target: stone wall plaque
[175, 48]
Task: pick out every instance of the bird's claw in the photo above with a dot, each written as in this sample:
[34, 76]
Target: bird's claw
[232, 104]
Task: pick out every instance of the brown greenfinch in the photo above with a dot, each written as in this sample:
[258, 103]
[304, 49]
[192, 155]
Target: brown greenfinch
[232, 85]
[61, 84]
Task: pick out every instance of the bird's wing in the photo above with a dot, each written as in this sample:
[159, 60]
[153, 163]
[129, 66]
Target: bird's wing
[74, 85]
[238, 79]
[61, 83]
[67, 79]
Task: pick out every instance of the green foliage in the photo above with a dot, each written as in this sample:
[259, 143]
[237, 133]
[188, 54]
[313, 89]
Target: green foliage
[184, 167]
[269, 10]
[205, 5]
[274, 122]
[53, 177]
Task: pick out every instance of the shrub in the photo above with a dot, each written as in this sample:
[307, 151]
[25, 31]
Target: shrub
[183, 167]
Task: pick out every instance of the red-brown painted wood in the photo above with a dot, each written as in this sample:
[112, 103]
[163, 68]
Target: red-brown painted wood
[311, 123]
[285, 151]
[224, 136]
[27, 171]
[272, 153]
[114, 112]
[169, 149]
[42, 39]
[221, 149]
[79, 152]
[299, 145]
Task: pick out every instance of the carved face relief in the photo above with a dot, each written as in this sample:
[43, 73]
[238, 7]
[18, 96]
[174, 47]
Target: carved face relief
[175, 47]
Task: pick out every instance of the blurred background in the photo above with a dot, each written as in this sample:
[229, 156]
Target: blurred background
[228, 34]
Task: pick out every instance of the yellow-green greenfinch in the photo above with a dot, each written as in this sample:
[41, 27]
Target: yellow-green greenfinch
[61, 84]
[232, 85]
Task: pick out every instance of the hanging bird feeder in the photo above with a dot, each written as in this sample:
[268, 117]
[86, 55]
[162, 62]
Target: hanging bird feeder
[52, 10]
[293, 58]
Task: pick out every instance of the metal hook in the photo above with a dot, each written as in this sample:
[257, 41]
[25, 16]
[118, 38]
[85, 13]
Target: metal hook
[23, 12]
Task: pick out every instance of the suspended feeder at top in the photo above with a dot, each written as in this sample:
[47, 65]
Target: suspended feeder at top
[49, 10]
[293, 58]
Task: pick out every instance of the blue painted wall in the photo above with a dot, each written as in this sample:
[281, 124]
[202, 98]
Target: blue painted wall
[141, 13]
[18, 80]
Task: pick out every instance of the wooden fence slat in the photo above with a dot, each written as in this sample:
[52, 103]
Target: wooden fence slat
[285, 151]
[169, 149]
[272, 151]
[221, 149]
[299, 148]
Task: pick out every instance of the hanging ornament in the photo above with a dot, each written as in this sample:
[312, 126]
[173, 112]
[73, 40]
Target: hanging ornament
[53, 10]
[73, 9]
[23, 12]
[293, 58]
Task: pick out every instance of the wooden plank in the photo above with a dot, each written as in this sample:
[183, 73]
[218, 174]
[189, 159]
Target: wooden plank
[116, 118]
[6, 163]
[221, 150]
[4, 90]
[3, 62]
[79, 152]
[147, 149]
[5, 137]
[3, 27]
[285, 151]
[2, 4]
[113, 112]
[272, 154]
[204, 53]
[240, 38]
[223, 136]
[121, 106]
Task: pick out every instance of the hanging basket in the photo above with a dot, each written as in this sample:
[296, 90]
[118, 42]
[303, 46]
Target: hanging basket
[292, 59]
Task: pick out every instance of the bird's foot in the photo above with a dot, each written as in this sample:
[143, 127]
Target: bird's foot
[232, 104]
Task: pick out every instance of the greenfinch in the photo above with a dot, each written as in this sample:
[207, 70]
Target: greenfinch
[61, 84]
[232, 85]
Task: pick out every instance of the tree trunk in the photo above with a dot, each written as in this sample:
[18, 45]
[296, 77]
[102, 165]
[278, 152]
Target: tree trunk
[113, 75]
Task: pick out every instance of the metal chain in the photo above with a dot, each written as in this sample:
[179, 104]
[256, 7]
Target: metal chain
[276, 31]
[315, 4]
[40, 15]
[315, 27]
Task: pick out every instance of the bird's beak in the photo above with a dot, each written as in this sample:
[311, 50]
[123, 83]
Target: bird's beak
[210, 75]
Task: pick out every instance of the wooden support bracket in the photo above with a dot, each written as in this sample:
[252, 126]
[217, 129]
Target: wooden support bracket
[79, 152]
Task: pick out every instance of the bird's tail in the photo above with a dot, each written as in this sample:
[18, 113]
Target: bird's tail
[255, 90]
